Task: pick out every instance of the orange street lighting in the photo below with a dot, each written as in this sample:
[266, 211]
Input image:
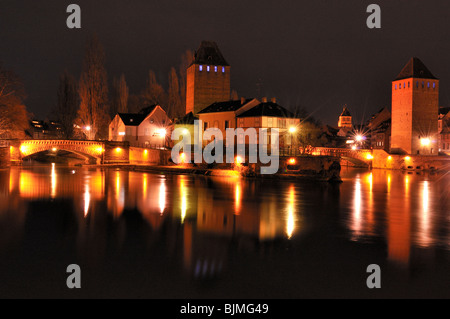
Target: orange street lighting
[407, 158]
[359, 137]
[425, 141]
[238, 160]
[118, 149]
[54, 149]
[292, 161]
[369, 156]
[292, 129]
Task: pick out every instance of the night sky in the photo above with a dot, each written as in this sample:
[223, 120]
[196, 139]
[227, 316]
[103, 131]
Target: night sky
[317, 54]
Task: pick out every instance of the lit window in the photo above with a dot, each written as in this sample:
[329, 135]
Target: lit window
[223, 69]
[417, 84]
[207, 68]
[423, 84]
[404, 85]
[428, 84]
[434, 85]
[215, 68]
[200, 67]
[396, 86]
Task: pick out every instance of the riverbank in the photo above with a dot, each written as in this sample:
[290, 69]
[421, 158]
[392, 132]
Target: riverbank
[217, 172]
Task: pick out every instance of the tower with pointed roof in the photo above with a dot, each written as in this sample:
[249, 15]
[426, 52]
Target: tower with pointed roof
[207, 78]
[415, 107]
[345, 119]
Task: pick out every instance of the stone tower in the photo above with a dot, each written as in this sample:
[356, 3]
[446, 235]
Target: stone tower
[415, 107]
[345, 119]
[207, 78]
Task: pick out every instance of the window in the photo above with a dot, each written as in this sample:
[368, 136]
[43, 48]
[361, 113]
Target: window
[417, 84]
[207, 68]
[215, 68]
[423, 84]
[396, 86]
[227, 124]
[223, 69]
[151, 121]
[269, 122]
[408, 84]
[434, 85]
[404, 85]
[428, 84]
[200, 68]
[205, 126]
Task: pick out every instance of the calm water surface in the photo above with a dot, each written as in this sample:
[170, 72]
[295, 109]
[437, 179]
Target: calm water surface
[142, 235]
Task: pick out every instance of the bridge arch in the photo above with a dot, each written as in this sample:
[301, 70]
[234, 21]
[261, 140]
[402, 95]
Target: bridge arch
[86, 149]
[361, 157]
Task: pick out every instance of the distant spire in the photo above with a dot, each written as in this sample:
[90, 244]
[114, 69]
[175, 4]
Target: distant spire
[345, 111]
[415, 69]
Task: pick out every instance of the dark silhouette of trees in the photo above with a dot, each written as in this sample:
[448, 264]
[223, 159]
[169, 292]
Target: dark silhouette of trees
[13, 113]
[67, 104]
[119, 96]
[93, 118]
[174, 105]
[153, 93]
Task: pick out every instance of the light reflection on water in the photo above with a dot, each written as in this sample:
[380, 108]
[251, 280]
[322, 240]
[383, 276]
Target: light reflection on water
[205, 217]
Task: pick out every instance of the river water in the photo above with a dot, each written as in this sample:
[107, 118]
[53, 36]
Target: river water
[145, 235]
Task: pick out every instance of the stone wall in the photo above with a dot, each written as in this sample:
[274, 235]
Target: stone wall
[384, 160]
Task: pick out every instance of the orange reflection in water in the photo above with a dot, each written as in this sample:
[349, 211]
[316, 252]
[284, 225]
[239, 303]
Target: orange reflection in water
[290, 220]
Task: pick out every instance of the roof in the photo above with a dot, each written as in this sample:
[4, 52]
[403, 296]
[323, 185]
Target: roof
[268, 109]
[444, 110]
[189, 118]
[345, 112]
[227, 106]
[132, 119]
[148, 109]
[415, 69]
[209, 53]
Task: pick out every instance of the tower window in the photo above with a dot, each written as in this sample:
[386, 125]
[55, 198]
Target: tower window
[417, 84]
[408, 85]
[434, 85]
[207, 68]
[223, 69]
[404, 85]
[428, 84]
[200, 67]
[396, 86]
[215, 68]
[423, 84]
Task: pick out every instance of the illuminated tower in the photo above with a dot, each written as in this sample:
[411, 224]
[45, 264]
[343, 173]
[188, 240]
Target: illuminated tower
[345, 119]
[208, 78]
[415, 107]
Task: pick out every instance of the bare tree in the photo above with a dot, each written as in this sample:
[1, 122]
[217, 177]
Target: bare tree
[174, 105]
[93, 115]
[120, 93]
[67, 104]
[153, 93]
[13, 114]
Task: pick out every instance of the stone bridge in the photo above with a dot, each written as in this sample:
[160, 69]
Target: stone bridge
[359, 157]
[102, 152]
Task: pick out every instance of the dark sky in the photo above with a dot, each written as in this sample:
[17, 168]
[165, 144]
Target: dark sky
[317, 54]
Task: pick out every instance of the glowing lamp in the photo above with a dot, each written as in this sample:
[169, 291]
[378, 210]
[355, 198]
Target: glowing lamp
[354, 147]
[54, 149]
[292, 129]
[359, 138]
[369, 156]
[183, 157]
[121, 133]
[407, 158]
[425, 141]
[118, 149]
[389, 157]
[145, 152]
[238, 160]
[185, 131]
[161, 131]
[88, 128]
[291, 161]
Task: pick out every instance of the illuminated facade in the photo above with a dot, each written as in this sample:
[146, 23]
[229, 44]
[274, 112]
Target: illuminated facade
[146, 128]
[415, 105]
[345, 119]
